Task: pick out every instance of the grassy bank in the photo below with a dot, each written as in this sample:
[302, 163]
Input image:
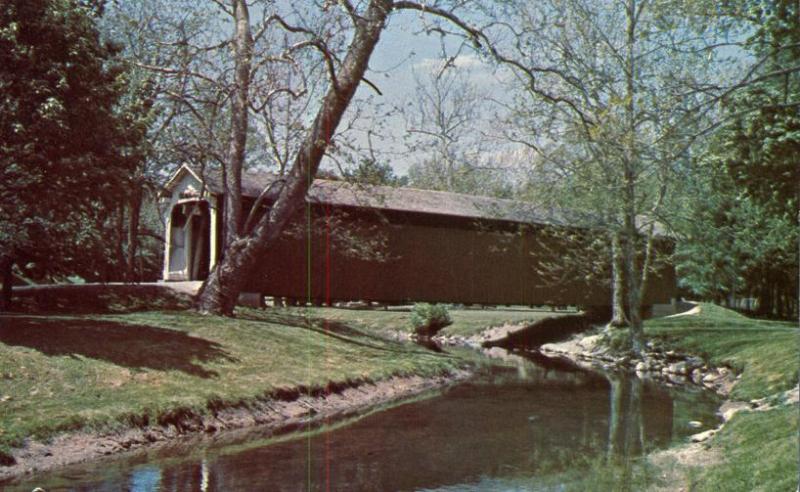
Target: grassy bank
[466, 322]
[759, 449]
[60, 373]
[766, 353]
[759, 453]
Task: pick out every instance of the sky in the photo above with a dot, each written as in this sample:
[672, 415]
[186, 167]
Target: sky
[403, 50]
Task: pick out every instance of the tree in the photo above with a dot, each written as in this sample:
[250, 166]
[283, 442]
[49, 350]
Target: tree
[220, 291]
[441, 126]
[151, 118]
[60, 128]
[371, 172]
[606, 81]
[742, 226]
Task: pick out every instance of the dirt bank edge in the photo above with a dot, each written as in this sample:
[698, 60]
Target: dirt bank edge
[285, 412]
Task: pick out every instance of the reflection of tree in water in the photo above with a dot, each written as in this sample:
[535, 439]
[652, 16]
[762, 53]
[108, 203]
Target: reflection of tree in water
[626, 432]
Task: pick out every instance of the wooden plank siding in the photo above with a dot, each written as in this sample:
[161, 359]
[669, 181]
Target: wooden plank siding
[427, 258]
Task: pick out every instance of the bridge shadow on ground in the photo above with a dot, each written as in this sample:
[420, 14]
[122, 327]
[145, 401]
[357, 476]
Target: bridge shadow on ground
[131, 346]
[97, 298]
[335, 329]
[548, 330]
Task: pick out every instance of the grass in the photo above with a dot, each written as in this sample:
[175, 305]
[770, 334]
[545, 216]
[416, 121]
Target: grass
[466, 322]
[61, 373]
[766, 353]
[760, 450]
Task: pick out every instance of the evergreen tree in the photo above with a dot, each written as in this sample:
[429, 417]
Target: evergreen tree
[60, 169]
[743, 236]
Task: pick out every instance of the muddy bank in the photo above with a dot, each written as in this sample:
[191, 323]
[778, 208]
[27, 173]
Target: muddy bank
[280, 413]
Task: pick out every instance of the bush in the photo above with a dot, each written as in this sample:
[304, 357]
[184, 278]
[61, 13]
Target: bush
[428, 319]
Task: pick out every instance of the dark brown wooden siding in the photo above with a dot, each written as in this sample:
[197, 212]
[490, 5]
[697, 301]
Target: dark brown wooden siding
[426, 258]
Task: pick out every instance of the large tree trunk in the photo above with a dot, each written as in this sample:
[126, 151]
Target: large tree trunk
[633, 279]
[213, 296]
[221, 290]
[648, 260]
[232, 171]
[630, 232]
[6, 270]
[618, 318]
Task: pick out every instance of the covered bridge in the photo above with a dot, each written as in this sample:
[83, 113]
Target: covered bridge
[394, 245]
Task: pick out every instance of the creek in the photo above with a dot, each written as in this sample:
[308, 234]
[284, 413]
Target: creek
[523, 422]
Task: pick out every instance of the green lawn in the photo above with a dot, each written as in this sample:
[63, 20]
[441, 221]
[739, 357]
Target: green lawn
[466, 322]
[70, 372]
[760, 453]
[766, 353]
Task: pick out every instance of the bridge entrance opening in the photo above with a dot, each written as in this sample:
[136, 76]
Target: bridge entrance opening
[189, 249]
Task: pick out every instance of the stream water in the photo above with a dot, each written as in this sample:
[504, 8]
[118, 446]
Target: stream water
[530, 423]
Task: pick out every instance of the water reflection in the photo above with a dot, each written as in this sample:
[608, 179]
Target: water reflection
[626, 429]
[145, 478]
[515, 427]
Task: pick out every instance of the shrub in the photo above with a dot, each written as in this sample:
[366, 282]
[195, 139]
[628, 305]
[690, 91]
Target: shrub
[428, 319]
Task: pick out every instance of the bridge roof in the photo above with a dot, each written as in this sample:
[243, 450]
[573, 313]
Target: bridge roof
[402, 199]
[413, 200]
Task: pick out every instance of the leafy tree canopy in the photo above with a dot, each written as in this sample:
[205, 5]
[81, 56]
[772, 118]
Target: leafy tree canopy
[763, 141]
[60, 130]
[742, 236]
